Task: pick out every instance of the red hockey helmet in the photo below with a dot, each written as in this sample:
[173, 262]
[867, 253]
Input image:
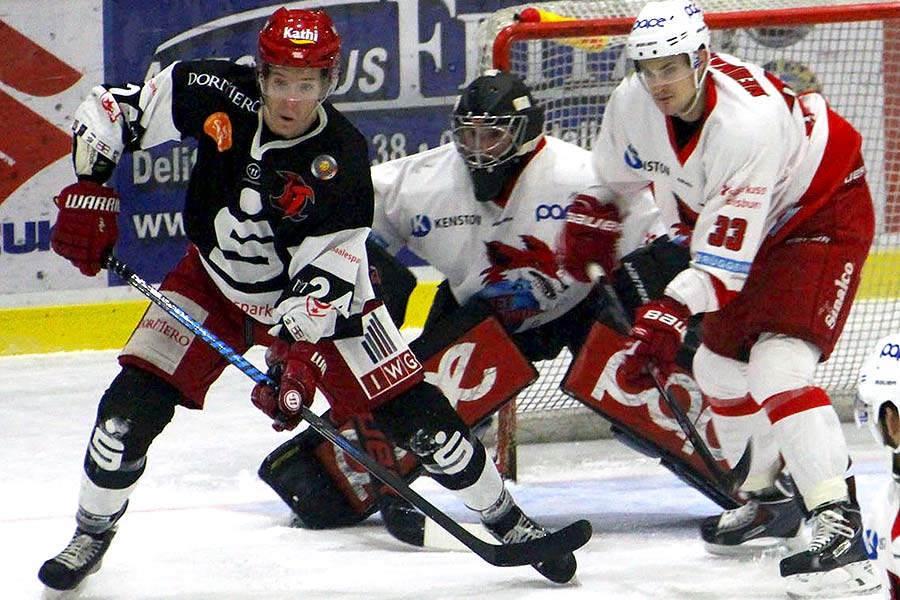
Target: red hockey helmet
[300, 39]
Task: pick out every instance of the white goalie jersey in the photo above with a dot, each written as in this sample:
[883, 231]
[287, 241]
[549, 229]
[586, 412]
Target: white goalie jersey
[505, 255]
[735, 182]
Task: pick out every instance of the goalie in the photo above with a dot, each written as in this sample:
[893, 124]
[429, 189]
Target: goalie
[511, 217]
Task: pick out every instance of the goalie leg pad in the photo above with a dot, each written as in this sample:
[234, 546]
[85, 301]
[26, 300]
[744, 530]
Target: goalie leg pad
[296, 473]
[643, 414]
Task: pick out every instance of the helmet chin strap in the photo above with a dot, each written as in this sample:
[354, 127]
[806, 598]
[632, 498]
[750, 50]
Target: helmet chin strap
[698, 87]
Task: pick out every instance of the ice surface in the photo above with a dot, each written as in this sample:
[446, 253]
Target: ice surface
[201, 525]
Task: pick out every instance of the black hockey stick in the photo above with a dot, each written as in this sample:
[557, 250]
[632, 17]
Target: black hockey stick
[728, 480]
[565, 540]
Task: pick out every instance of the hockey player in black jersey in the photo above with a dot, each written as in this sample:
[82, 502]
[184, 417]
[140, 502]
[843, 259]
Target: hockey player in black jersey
[277, 214]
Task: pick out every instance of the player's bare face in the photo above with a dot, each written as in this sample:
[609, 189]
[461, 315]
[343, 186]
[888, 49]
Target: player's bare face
[670, 81]
[291, 97]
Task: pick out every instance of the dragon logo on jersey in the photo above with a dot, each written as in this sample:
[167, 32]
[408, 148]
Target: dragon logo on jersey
[296, 198]
[218, 127]
[521, 282]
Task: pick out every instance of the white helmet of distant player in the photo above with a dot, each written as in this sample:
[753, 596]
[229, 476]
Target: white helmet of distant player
[878, 385]
[668, 28]
[665, 29]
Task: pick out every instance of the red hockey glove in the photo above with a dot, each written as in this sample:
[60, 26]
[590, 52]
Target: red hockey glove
[296, 368]
[86, 228]
[658, 332]
[589, 235]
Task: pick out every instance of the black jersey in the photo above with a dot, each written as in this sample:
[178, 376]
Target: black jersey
[273, 219]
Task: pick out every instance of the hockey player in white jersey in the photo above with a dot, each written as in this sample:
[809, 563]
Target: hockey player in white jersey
[770, 188]
[277, 215]
[878, 408]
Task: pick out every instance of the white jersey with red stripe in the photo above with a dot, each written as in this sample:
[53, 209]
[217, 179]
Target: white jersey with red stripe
[738, 178]
[504, 254]
[882, 535]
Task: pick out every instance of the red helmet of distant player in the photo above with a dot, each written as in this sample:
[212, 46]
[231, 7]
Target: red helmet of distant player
[300, 39]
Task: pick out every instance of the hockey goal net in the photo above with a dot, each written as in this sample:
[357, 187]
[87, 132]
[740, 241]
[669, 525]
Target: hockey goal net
[573, 58]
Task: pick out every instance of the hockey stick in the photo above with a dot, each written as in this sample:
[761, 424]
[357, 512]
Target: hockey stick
[728, 480]
[565, 540]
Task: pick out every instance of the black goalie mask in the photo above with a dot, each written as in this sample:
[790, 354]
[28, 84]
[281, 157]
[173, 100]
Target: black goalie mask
[496, 122]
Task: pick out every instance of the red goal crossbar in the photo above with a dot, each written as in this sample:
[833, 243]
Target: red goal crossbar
[724, 20]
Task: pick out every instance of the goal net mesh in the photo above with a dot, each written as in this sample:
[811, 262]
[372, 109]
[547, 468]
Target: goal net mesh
[843, 52]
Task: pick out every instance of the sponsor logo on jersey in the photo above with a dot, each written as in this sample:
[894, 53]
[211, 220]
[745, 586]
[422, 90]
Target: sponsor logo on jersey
[721, 262]
[550, 211]
[237, 97]
[420, 225]
[842, 287]
[731, 192]
[733, 195]
[456, 221]
[255, 310]
[346, 254]
[379, 359]
[167, 329]
[296, 198]
[218, 127]
[300, 36]
[891, 351]
[633, 160]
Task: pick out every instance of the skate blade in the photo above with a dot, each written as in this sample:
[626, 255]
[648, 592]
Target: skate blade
[856, 580]
[778, 547]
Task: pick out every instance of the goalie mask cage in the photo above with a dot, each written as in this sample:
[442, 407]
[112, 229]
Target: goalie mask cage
[574, 57]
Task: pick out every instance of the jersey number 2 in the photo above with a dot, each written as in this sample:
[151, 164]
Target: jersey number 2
[728, 232]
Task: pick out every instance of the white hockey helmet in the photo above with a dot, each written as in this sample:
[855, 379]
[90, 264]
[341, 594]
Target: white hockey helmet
[668, 28]
[878, 384]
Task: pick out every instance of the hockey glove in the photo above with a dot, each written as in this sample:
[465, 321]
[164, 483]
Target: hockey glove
[296, 368]
[658, 332]
[589, 235]
[86, 228]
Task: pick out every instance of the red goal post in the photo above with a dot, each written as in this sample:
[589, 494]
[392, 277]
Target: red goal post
[850, 52]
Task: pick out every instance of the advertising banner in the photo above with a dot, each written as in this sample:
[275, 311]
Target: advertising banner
[403, 63]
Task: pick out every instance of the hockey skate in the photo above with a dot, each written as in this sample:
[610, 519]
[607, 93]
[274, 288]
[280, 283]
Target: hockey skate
[81, 557]
[506, 522]
[770, 520]
[835, 564]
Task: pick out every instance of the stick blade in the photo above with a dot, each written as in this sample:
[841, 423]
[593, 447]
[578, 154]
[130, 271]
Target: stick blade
[568, 539]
